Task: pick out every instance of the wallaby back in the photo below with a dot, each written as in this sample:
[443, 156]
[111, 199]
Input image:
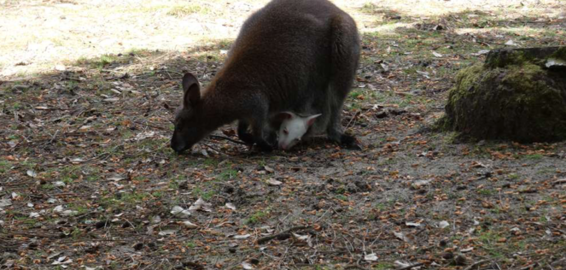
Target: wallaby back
[287, 54]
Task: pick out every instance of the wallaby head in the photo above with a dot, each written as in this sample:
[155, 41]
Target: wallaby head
[188, 119]
[292, 128]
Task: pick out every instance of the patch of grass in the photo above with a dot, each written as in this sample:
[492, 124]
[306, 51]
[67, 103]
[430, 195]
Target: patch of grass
[340, 190]
[381, 206]
[81, 209]
[383, 266]
[495, 210]
[546, 170]
[227, 175]
[489, 240]
[370, 8]
[204, 194]
[123, 198]
[533, 156]
[184, 10]
[373, 9]
[27, 221]
[28, 164]
[48, 186]
[98, 63]
[157, 194]
[450, 137]
[258, 216]
[5, 165]
[211, 162]
[190, 244]
[69, 173]
[225, 43]
[93, 176]
[107, 60]
[485, 192]
[133, 198]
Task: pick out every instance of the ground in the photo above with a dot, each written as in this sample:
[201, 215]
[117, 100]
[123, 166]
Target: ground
[87, 178]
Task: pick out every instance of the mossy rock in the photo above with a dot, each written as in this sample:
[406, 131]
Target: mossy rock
[513, 96]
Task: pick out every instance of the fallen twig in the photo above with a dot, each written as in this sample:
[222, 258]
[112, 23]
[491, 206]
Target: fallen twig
[476, 264]
[284, 235]
[411, 266]
[226, 138]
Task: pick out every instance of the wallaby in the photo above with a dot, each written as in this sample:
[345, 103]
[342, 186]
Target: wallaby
[293, 128]
[288, 54]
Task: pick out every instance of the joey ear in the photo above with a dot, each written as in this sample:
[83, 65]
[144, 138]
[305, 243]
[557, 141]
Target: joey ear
[286, 115]
[282, 116]
[310, 119]
[191, 89]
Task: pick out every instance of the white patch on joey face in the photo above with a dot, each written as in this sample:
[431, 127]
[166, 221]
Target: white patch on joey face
[293, 128]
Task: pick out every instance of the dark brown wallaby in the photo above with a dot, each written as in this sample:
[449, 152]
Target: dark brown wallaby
[289, 55]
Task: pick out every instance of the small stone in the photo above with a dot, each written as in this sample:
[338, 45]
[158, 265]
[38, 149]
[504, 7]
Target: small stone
[137, 246]
[184, 185]
[229, 189]
[447, 255]
[460, 259]
[100, 224]
[397, 111]
[381, 114]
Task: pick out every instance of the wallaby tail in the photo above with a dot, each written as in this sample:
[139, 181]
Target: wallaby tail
[345, 53]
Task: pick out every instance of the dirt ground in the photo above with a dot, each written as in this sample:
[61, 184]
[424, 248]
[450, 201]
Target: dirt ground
[88, 180]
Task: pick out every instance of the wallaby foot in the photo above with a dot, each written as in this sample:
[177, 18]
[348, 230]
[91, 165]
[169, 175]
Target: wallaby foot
[346, 141]
[350, 142]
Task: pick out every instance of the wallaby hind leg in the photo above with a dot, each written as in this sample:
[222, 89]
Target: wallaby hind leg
[345, 57]
[243, 133]
[260, 124]
[259, 130]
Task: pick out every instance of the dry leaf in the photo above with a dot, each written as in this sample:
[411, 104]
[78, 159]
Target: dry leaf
[273, 182]
[370, 257]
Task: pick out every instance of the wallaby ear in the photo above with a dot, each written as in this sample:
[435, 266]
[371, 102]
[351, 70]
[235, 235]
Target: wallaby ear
[310, 119]
[191, 89]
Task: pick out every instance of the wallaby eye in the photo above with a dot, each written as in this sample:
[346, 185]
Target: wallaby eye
[286, 132]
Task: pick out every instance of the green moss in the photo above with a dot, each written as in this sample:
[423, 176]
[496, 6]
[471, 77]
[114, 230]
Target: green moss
[560, 54]
[506, 57]
[521, 102]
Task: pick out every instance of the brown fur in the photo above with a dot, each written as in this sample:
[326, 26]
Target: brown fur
[289, 55]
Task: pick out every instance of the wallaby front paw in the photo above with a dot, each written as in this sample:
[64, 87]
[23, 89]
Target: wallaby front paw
[265, 147]
[248, 138]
